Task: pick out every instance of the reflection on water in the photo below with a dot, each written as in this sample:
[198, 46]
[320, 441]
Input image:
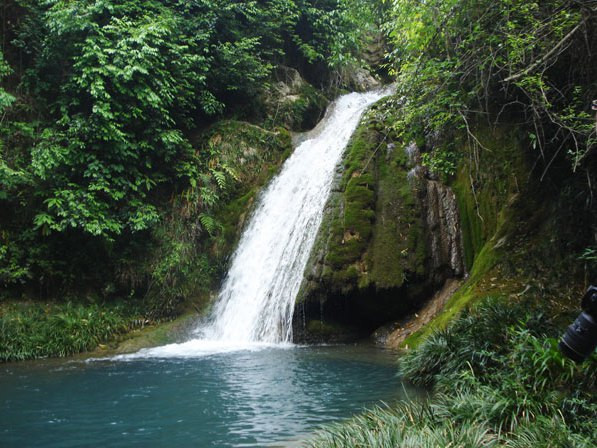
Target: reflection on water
[242, 399]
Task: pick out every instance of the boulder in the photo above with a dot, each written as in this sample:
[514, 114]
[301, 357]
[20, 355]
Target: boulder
[292, 102]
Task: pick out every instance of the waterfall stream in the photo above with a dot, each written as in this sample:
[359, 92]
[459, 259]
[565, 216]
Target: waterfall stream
[256, 301]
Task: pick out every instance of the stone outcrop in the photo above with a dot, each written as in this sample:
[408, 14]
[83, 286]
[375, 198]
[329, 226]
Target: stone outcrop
[360, 80]
[442, 221]
[390, 238]
[292, 102]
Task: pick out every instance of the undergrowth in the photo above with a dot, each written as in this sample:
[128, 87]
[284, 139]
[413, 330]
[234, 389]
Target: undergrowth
[35, 330]
[497, 380]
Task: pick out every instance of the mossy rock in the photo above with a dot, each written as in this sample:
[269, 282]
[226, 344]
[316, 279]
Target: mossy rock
[317, 331]
[486, 186]
[379, 218]
[293, 103]
[371, 243]
[155, 335]
[483, 189]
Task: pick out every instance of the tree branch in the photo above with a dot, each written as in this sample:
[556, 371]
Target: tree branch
[550, 53]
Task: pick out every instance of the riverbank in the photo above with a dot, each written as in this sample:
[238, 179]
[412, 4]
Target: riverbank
[33, 330]
[498, 379]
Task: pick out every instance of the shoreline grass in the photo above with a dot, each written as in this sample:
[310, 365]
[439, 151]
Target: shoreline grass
[497, 380]
[30, 330]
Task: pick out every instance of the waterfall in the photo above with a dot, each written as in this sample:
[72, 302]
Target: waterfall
[257, 298]
[256, 301]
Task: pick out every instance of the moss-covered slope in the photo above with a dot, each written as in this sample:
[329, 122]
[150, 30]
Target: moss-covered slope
[371, 261]
[524, 232]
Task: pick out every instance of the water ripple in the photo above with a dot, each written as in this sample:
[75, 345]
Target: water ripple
[251, 398]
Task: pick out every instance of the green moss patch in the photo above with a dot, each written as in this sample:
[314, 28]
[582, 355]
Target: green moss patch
[485, 182]
[375, 233]
[485, 191]
[371, 243]
[398, 245]
[154, 335]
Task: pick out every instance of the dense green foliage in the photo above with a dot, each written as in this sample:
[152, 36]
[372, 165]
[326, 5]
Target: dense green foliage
[5, 98]
[531, 62]
[101, 102]
[498, 380]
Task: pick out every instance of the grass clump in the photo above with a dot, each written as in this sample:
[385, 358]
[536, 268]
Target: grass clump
[497, 380]
[34, 330]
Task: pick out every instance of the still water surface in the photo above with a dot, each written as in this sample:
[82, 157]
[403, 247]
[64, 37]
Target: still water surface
[250, 398]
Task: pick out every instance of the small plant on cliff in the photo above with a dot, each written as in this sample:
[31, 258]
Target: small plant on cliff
[441, 162]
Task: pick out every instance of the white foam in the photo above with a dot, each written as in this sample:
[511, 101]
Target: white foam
[197, 348]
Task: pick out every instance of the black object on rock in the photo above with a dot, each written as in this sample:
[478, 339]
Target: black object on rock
[580, 338]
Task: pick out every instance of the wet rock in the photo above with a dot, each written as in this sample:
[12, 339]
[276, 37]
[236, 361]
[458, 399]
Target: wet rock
[444, 230]
[360, 80]
[442, 221]
[292, 102]
[390, 238]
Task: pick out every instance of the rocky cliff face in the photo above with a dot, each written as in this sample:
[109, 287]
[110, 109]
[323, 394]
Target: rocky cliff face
[442, 220]
[445, 242]
[390, 237]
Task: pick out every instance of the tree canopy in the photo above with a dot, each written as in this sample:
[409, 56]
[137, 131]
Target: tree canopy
[528, 61]
[102, 98]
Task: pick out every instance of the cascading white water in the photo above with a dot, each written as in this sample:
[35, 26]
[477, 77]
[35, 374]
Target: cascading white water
[256, 302]
[257, 299]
